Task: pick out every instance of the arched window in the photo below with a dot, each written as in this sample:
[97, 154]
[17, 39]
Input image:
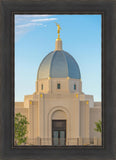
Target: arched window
[58, 86]
[75, 87]
[41, 86]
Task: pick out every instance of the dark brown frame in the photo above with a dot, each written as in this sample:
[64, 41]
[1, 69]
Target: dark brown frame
[108, 11]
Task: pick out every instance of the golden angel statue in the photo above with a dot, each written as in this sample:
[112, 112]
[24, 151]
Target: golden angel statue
[58, 28]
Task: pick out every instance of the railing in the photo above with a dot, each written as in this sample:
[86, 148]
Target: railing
[63, 141]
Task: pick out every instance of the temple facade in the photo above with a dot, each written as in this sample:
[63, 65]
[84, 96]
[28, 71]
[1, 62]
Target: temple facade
[58, 112]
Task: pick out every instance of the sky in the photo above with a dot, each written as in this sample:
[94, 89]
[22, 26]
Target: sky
[35, 37]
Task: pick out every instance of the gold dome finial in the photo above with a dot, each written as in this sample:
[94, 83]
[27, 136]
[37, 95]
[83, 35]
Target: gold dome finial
[58, 30]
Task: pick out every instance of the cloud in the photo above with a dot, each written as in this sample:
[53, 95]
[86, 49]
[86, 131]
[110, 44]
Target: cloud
[29, 25]
[26, 23]
[27, 18]
[44, 20]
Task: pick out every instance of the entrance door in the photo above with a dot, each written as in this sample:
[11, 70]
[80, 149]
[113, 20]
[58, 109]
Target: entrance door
[58, 132]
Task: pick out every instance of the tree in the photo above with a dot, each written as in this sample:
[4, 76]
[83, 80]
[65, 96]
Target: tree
[20, 129]
[98, 126]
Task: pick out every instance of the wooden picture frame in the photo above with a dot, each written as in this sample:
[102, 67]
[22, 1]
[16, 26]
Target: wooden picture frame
[7, 11]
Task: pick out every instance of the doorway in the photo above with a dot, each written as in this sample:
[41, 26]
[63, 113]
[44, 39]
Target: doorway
[58, 132]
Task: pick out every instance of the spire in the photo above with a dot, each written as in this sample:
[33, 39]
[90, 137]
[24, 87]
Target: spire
[58, 45]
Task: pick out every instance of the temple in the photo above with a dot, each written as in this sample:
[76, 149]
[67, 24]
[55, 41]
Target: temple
[58, 112]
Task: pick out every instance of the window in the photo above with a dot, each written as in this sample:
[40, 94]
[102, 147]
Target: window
[74, 86]
[42, 87]
[58, 86]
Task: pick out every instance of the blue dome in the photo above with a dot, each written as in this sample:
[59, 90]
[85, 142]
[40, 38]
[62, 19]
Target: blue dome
[58, 64]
